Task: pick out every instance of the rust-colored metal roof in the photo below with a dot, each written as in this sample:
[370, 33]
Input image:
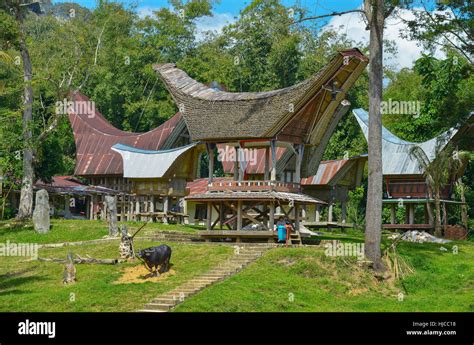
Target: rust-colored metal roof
[327, 170]
[94, 136]
[68, 185]
[199, 186]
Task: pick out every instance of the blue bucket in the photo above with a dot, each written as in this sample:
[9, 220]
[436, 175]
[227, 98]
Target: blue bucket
[281, 233]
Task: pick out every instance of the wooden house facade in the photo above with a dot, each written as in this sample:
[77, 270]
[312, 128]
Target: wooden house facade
[295, 119]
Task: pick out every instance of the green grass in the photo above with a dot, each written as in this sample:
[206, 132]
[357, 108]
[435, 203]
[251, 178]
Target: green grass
[304, 279]
[284, 279]
[75, 230]
[37, 286]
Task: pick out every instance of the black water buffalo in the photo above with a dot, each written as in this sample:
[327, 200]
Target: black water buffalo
[156, 256]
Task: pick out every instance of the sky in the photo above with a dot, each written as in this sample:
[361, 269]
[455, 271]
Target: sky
[226, 11]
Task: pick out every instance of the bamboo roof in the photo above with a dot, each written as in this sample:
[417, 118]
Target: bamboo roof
[214, 115]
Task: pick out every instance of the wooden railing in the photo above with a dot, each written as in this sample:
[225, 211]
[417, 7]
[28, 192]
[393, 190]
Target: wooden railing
[254, 186]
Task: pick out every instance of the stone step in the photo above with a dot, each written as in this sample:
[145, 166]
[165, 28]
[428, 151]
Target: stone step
[218, 273]
[159, 305]
[152, 311]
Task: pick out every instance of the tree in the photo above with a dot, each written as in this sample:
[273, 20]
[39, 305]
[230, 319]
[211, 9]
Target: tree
[444, 168]
[448, 24]
[26, 197]
[374, 12]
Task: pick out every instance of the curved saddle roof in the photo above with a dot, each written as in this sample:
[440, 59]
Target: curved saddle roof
[214, 115]
[140, 163]
[396, 157]
[94, 137]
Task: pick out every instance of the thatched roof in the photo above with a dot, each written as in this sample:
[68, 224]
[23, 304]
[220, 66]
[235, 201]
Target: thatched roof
[214, 115]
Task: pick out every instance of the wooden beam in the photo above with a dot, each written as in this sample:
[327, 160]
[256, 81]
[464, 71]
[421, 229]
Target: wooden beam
[210, 155]
[239, 214]
[267, 164]
[273, 171]
[297, 217]
[209, 215]
[317, 213]
[343, 212]
[330, 211]
[236, 164]
[271, 219]
[299, 159]
[166, 209]
[393, 214]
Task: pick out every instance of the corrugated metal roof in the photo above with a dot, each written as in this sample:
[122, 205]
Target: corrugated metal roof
[140, 163]
[396, 158]
[70, 185]
[267, 195]
[327, 170]
[94, 136]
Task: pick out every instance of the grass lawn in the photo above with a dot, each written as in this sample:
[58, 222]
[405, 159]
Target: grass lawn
[304, 279]
[37, 286]
[75, 230]
[284, 279]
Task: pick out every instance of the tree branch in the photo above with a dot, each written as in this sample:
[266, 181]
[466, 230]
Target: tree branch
[328, 15]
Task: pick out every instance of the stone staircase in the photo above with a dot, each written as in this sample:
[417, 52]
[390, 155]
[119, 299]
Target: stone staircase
[243, 256]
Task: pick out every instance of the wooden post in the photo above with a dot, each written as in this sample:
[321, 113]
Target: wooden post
[317, 214]
[343, 212]
[239, 215]
[299, 159]
[209, 215]
[240, 158]
[330, 211]
[91, 207]
[271, 218]
[236, 164]
[273, 171]
[210, 155]
[393, 214]
[166, 201]
[297, 217]
[122, 207]
[267, 164]
[185, 211]
[411, 213]
[221, 215]
[137, 207]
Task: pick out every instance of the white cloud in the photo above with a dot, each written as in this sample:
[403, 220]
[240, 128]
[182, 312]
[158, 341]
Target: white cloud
[213, 23]
[408, 50]
[146, 11]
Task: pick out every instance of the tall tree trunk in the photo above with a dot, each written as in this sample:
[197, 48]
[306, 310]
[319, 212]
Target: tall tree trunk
[373, 231]
[464, 214]
[438, 231]
[26, 197]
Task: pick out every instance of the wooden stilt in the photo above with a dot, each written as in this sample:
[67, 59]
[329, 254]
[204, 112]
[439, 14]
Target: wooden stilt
[266, 175]
[239, 215]
[393, 214]
[271, 218]
[273, 171]
[209, 215]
